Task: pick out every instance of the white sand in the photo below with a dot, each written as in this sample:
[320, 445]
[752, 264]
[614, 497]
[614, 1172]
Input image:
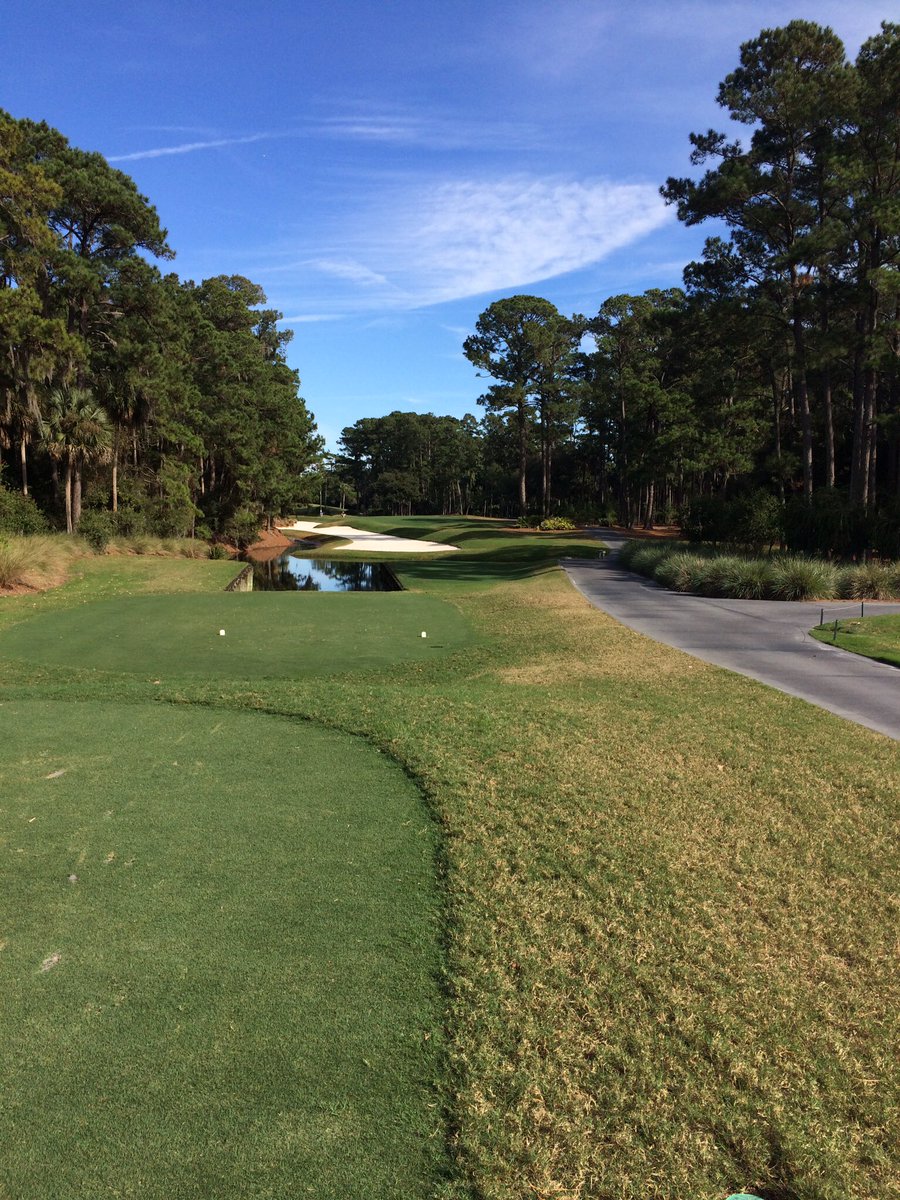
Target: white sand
[359, 539]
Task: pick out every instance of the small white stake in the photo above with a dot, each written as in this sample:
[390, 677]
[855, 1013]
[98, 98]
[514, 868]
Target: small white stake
[424, 634]
[221, 633]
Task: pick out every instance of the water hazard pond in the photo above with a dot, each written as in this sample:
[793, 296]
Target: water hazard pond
[291, 572]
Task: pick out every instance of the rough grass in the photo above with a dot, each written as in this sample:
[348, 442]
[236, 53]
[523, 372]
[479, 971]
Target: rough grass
[873, 637]
[669, 918]
[37, 562]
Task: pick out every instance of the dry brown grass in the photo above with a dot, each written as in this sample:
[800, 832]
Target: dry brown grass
[671, 951]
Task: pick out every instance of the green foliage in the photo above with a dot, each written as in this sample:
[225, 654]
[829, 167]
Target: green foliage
[19, 514]
[98, 528]
[795, 578]
[752, 519]
[242, 527]
[708, 572]
[217, 550]
[556, 523]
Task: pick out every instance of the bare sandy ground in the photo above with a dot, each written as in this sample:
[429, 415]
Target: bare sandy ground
[359, 539]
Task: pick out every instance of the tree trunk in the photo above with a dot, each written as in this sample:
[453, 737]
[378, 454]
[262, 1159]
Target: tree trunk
[76, 496]
[829, 428]
[801, 389]
[523, 457]
[24, 461]
[69, 526]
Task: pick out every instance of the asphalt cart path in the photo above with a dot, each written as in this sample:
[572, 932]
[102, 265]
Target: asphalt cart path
[765, 639]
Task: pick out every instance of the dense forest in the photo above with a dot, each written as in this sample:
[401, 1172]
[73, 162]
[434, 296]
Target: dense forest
[758, 402]
[131, 400]
[761, 401]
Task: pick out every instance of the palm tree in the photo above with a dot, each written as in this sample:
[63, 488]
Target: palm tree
[77, 432]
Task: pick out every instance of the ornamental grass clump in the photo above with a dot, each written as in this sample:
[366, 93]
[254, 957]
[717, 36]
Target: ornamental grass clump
[716, 576]
[802, 579]
[680, 572]
[869, 581]
[747, 578]
[35, 562]
[643, 558]
[14, 561]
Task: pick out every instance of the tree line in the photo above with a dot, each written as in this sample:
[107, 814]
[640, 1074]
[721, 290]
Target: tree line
[766, 390]
[166, 404]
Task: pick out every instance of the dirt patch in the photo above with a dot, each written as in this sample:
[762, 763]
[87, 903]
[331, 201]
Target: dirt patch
[269, 539]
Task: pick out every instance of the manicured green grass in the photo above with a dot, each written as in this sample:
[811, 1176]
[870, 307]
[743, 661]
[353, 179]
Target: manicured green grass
[668, 918]
[103, 578]
[219, 959]
[873, 637]
[266, 634]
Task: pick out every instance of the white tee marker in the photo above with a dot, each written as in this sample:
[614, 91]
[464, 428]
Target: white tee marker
[221, 633]
[424, 634]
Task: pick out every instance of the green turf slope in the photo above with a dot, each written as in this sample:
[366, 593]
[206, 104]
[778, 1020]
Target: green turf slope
[218, 968]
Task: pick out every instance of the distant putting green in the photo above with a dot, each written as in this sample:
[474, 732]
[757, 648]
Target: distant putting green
[267, 635]
[218, 966]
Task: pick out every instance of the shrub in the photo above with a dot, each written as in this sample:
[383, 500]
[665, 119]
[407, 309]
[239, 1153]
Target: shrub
[869, 581]
[756, 519]
[243, 526]
[217, 550]
[97, 528]
[715, 580]
[802, 579]
[677, 570]
[748, 578]
[19, 514]
[528, 522]
[556, 523]
[643, 557]
[706, 519]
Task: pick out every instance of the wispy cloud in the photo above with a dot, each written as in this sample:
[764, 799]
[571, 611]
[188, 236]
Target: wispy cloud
[468, 237]
[190, 147]
[421, 244]
[353, 272]
[384, 127]
[310, 318]
[435, 130]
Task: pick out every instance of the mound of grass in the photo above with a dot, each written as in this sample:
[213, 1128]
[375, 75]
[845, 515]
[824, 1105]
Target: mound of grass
[266, 634]
[218, 979]
[873, 637]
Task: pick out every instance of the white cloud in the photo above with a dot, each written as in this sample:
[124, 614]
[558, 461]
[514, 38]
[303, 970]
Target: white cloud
[309, 318]
[468, 237]
[353, 272]
[412, 244]
[190, 147]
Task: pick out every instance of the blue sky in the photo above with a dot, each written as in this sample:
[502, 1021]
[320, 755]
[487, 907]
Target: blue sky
[387, 169]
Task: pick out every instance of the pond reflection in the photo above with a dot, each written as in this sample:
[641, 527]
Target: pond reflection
[288, 572]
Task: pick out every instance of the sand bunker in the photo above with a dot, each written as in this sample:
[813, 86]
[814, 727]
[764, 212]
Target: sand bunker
[359, 539]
